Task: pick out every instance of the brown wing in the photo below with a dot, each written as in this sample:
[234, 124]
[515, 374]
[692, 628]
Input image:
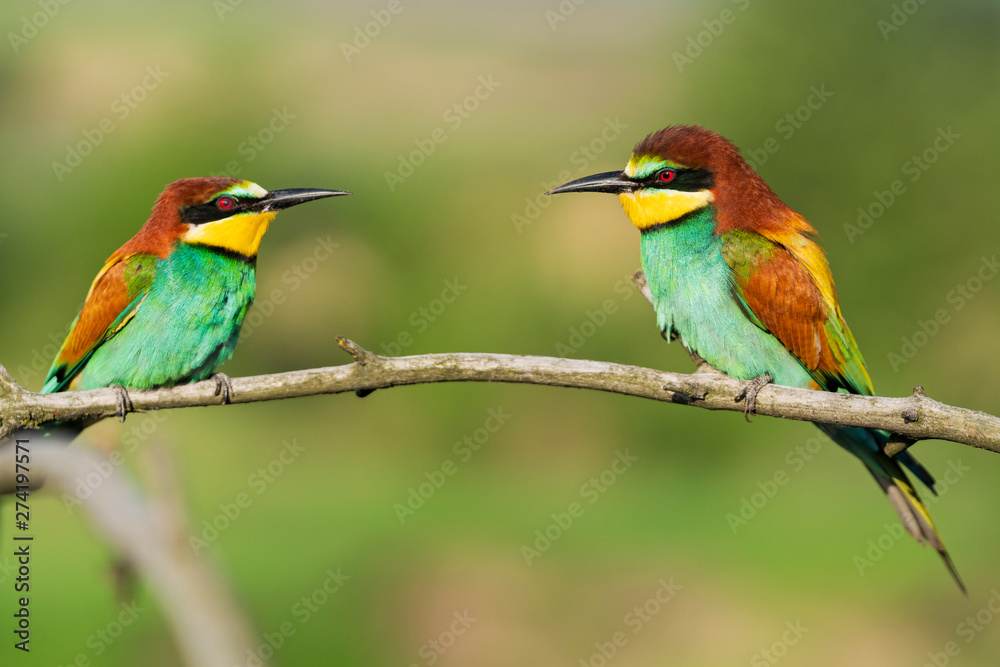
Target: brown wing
[787, 286]
[788, 304]
[110, 304]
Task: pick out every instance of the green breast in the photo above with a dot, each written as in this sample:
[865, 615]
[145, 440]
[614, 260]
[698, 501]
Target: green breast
[692, 292]
[185, 328]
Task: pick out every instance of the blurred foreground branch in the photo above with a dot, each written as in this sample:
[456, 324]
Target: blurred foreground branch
[914, 417]
[151, 535]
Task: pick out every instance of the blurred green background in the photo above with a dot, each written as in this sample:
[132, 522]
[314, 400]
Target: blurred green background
[270, 92]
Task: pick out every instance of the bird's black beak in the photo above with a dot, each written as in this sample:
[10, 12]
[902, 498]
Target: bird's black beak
[279, 199]
[615, 182]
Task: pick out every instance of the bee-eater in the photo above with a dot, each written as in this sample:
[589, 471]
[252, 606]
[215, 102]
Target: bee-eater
[167, 306]
[738, 276]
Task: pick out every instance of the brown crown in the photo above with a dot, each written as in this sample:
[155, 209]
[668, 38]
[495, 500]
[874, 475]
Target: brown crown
[164, 226]
[742, 199]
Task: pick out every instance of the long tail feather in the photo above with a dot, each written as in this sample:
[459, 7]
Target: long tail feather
[916, 519]
[919, 471]
[867, 446]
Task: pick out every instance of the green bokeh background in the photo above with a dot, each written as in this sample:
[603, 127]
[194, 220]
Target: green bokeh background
[526, 290]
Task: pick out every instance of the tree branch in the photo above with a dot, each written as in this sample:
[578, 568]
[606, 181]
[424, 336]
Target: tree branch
[916, 417]
[151, 534]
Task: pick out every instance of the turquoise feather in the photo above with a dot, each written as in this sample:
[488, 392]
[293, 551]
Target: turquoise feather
[690, 272]
[186, 316]
[692, 288]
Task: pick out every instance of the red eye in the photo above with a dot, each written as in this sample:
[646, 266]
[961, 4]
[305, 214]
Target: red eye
[225, 203]
[667, 175]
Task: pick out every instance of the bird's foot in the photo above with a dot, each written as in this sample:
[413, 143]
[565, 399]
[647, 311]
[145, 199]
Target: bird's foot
[750, 391]
[123, 402]
[223, 387]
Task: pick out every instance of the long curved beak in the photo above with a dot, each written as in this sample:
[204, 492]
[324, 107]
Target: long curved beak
[279, 199]
[615, 182]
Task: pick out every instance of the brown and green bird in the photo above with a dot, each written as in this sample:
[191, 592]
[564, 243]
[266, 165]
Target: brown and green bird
[739, 277]
[167, 307]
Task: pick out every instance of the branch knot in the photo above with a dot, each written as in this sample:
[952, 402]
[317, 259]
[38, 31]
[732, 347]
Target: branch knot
[686, 394]
[361, 356]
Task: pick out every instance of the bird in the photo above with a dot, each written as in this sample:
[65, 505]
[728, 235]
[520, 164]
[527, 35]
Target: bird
[740, 278]
[167, 306]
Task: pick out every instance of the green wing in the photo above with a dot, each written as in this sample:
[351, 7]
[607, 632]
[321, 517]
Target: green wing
[114, 297]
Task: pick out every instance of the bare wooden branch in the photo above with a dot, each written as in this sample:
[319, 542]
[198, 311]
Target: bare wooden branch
[916, 417]
[151, 535]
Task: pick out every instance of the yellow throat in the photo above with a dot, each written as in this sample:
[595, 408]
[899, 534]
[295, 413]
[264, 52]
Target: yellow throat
[646, 208]
[240, 233]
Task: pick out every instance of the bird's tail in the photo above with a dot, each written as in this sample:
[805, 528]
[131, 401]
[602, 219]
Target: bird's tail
[867, 445]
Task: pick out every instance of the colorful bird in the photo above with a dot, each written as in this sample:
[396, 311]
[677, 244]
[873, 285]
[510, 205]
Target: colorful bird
[738, 276]
[168, 305]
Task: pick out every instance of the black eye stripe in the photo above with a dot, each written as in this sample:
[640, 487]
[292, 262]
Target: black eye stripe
[199, 214]
[686, 180]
